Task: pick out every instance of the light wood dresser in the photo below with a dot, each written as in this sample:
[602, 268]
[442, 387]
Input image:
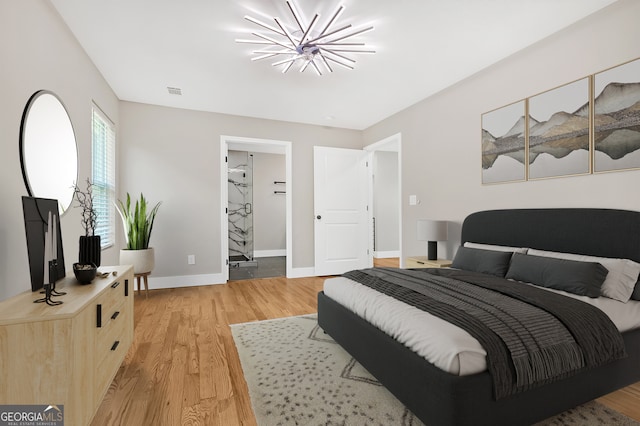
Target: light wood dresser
[66, 354]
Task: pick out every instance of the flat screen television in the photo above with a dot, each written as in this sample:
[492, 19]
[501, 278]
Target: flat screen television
[36, 213]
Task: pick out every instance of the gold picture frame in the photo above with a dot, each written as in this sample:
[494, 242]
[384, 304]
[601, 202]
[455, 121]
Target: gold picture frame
[558, 139]
[616, 120]
[503, 144]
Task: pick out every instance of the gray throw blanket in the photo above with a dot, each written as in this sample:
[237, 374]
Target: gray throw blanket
[532, 336]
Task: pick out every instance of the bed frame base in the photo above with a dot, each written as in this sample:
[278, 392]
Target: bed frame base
[439, 398]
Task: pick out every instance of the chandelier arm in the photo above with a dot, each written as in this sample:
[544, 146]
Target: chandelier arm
[320, 37]
[352, 34]
[263, 25]
[268, 54]
[338, 44]
[284, 71]
[286, 33]
[333, 18]
[253, 41]
[349, 50]
[306, 33]
[274, 41]
[338, 55]
[275, 52]
[305, 65]
[284, 61]
[339, 63]
[324, 60]
[265, 56]
[313, 62]
[295, 16]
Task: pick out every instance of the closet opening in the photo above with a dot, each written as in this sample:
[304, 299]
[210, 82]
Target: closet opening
[257, 224]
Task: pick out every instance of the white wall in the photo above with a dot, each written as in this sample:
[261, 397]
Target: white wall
[173, 155]
[269, 209]
[385, 201]
[39, 52]
[441, 134]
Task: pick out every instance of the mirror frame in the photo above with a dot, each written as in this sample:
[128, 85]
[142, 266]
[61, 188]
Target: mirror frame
[23, 160]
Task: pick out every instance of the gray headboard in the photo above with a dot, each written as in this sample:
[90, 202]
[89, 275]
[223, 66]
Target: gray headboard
[595, 232]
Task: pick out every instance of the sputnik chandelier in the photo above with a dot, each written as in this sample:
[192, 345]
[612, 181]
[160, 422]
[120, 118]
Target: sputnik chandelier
[300, 42]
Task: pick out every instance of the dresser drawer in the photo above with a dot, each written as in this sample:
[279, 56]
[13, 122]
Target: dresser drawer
[111, 346]
[110, 301]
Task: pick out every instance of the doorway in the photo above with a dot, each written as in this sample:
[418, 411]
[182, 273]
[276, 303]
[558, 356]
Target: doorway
[244, 208]
[385, 197]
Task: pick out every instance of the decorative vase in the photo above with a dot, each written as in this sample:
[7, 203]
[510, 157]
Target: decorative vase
[84, 273]
[89, 250]
[143, 261]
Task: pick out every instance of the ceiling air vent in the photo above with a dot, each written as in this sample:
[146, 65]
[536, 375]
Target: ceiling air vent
[174, 90]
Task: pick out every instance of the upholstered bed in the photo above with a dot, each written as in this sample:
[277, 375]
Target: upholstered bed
[440, 397]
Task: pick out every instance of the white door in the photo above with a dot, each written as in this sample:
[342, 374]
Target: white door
[340, 205]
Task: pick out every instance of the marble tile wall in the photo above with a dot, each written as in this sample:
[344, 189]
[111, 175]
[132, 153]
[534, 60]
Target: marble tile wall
[240, 190]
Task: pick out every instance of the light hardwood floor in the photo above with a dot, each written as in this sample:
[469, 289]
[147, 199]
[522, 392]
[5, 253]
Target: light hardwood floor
[183, 367]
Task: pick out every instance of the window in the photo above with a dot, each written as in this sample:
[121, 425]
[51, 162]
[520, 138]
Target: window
[103, 140]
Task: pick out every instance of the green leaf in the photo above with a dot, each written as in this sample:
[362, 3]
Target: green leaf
[137, 223]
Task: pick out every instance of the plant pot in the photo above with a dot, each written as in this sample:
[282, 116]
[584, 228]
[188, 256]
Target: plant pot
[142, 260]
[89, 250]
[85, 273]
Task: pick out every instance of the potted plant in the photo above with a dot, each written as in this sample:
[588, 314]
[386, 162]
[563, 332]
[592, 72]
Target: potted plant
[138, 224]
[89, 248]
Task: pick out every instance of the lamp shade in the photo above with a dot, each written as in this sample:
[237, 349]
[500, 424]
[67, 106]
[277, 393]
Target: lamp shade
[432, 230]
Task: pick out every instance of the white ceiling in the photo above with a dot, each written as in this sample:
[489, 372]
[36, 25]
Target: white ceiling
[423, 46]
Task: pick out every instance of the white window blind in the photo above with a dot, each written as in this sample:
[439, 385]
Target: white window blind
[103, 140]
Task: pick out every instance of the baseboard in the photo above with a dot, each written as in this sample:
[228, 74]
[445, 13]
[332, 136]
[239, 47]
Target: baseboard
[269, 253]
[209, 279]
[185, 281]
[386, 254]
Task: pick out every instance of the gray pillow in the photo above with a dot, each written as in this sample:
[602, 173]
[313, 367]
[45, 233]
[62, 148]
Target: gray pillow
[486, 261]
[581, 278]
[636, 291]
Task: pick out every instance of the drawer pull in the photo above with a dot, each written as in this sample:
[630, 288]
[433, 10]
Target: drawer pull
[99, 315]
[115, 345]
[115, 284]
[126, 288]
[421, 263]
[115, 315]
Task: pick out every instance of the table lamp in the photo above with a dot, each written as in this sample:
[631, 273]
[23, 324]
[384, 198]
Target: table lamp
[432, 231]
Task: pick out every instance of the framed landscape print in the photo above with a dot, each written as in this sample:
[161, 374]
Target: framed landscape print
[503, 144]
[559, 131]
[617, 118]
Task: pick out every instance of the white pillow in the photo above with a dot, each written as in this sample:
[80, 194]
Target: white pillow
[522, 250]
[621, 279]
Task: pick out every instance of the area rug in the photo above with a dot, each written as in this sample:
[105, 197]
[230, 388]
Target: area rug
[297, 375]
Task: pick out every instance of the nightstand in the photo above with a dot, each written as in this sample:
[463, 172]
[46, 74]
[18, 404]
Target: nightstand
[423, 262]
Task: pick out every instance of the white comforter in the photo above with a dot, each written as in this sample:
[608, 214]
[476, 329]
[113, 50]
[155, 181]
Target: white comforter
[441, 343]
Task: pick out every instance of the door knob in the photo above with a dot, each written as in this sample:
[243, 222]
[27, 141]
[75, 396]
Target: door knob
[318, 217]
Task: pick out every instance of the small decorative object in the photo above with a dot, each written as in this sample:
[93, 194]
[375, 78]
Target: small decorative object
[89, 248]
[137, 231]
[50, 262]
[432, 231]
[84, 273]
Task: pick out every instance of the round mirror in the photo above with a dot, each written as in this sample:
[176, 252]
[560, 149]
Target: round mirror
[48, 151]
